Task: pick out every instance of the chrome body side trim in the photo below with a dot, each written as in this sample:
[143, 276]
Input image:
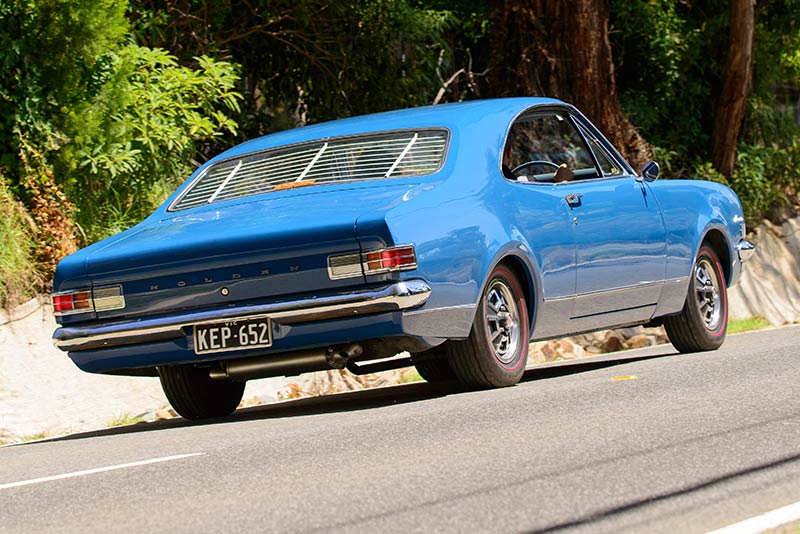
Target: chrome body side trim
[745, 249]
[642, 285]
[395, 297]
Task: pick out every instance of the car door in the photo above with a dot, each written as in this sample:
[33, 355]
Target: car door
[620, 239]
[615, 224]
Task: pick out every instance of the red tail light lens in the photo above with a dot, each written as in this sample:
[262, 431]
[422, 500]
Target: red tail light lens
[373, 262]
[390, 259]
[72, 302]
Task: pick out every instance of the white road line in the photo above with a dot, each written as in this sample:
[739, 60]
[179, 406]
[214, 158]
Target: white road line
[763, 522]
[95, 471]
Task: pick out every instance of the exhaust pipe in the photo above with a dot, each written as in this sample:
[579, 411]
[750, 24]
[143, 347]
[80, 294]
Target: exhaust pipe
[288, 364]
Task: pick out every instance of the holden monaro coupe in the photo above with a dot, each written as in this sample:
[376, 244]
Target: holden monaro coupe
[455, 234]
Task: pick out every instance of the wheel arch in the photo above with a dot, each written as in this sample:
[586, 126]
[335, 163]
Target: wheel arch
[516, 261]
[721, 245]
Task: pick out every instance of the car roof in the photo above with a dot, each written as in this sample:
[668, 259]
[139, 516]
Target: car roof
[454, 116]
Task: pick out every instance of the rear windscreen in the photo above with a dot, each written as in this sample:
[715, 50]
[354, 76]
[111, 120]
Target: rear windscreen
[346, 159]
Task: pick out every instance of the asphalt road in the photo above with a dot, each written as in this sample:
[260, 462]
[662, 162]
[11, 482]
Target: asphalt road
[641, 441]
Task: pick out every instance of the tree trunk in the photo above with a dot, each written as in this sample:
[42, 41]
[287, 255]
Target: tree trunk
[561, 48]
[738, 73]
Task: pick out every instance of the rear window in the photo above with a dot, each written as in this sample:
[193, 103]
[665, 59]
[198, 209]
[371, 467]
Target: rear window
[345, 159]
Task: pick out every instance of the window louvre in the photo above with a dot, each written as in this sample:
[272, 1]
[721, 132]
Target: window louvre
[347, 159]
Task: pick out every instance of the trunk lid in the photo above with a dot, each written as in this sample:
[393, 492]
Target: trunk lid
[236, 253]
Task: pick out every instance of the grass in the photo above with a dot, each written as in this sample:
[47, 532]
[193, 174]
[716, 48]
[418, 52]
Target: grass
[17, 277]
[36, 437]
[410, 375]
[736, 326]
[126, 419]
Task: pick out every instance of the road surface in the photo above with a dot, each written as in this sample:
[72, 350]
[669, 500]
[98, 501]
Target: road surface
[639, 441]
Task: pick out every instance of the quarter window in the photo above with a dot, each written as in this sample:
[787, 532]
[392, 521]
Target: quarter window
[606, 162]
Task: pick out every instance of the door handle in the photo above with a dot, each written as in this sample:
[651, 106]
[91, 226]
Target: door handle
[574, 199]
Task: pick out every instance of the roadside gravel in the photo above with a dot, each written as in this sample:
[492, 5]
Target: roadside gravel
[43, 393]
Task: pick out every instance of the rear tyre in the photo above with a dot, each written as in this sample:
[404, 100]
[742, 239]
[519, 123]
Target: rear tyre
[433, 366]
[194, 395]
[495, 353]
[703, 322]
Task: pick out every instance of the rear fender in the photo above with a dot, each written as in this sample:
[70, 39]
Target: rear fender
[517, 255]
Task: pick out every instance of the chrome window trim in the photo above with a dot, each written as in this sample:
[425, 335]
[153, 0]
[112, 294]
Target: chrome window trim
[577, 117]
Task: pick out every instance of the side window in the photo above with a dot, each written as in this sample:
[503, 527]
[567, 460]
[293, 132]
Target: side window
[546, 147]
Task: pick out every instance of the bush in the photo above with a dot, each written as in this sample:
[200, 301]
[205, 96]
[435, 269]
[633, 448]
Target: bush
[132, 144]
[764, 178]
[18, 280]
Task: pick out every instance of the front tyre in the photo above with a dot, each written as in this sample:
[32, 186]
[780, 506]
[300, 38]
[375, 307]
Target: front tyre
[194, 395]
[496, 351]
[703, 322]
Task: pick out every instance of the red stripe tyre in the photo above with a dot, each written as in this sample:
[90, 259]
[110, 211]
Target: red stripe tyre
[703, 322]
[496, 351]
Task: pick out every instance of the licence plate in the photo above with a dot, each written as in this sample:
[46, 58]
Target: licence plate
[235, 334]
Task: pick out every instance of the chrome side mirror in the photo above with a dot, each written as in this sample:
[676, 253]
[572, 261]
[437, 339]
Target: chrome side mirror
[650, 171]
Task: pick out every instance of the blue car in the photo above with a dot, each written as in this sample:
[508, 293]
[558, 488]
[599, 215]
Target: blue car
[450, 235]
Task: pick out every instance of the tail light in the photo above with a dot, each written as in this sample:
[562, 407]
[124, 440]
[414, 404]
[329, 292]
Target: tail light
[390, 259]
[88, 300]
[402, 258]
[72, 302]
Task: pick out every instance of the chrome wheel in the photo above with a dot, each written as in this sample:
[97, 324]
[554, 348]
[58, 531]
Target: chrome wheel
[495, 353]
[702, 323]
[502, 321]
[707, 292]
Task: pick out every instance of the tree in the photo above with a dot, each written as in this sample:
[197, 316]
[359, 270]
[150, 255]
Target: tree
[305, 62]
[730, 109]
[561, 48]
[50, 49]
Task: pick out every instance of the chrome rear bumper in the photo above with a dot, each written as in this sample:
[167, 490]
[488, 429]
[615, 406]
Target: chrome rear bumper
[398, 296]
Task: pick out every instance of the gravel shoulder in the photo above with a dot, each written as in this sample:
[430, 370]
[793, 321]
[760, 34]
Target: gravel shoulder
[43, 393]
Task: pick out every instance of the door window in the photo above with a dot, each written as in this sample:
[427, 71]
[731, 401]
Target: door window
[546, 147]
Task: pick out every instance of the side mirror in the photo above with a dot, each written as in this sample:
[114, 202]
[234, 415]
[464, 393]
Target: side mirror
[650, 171]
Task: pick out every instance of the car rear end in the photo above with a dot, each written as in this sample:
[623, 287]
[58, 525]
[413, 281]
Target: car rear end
[258, 256]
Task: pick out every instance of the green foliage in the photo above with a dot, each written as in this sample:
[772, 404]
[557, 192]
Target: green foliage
[125, 420]
[310, 61]
[15, 262]
[50, 48]
[672, 56]
[132, 143]
[105, 104]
